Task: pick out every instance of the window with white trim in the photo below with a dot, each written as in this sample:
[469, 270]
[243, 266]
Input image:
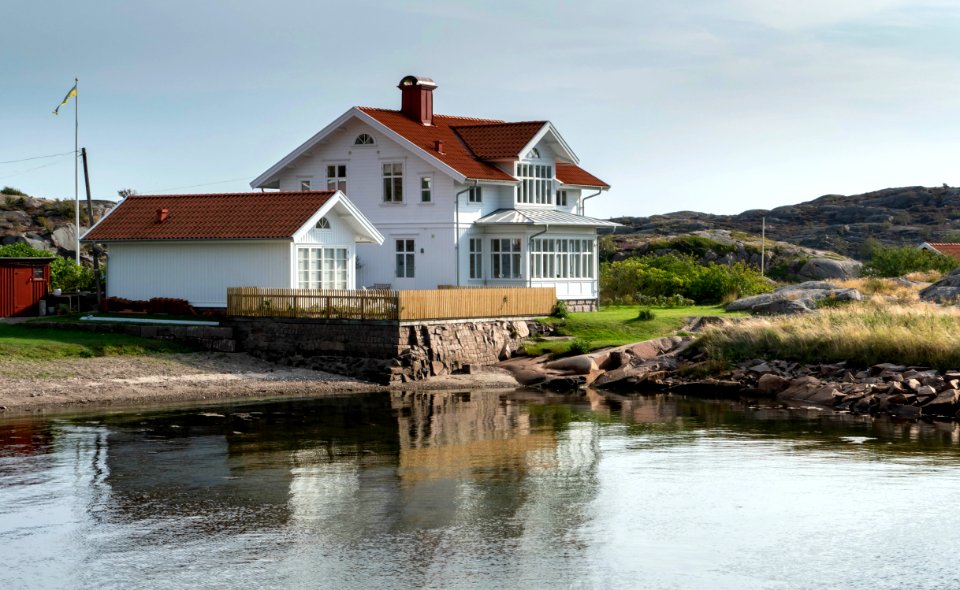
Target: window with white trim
[536, 183]
[337, 177]
[426, 189]
[406, 255]
[561, 259]
[323, 223]
[475, 195]
[364, 139]
[393, 182]
[476, 258]
[505, 258]
[322, 268]
[561, 198]
[304, 185]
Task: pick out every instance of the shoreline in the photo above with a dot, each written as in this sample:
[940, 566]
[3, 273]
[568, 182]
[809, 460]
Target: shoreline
[132, 382]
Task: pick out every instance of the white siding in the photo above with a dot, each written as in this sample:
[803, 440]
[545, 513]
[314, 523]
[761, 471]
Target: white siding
[339, 235]
[199, 272]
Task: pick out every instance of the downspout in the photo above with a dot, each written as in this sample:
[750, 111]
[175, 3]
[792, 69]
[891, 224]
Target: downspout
[456, 199]
[583, 206]
[546, 228]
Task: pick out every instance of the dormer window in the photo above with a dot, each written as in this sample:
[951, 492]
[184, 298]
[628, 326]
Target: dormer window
[364, 139]
[536, 184]
[324, 223]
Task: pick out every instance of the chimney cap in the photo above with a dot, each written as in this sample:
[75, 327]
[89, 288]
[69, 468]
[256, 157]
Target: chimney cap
[417, 81]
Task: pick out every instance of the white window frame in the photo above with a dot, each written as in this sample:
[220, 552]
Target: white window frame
[323, 267]
[475, 264]
[561, 258]
[406, 258]
[323, 224]
[536, 183]
[358, 138]
[505, 258]
[475, 195]
[426, 192]
[392, 182]
[561, 198]
[305, 184]
[336, 182]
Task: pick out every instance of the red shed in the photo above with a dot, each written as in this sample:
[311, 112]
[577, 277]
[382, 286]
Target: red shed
[23, 283]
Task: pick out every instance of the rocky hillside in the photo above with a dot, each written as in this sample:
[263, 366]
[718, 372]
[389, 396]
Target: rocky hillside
[46, 224]
[842, 224]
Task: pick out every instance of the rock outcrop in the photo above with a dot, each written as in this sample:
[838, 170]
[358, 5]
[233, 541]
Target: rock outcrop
[45, 224]
[794, 299]
[946, 290]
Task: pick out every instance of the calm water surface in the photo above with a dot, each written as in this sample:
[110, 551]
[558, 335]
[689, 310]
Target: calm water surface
[478, 490]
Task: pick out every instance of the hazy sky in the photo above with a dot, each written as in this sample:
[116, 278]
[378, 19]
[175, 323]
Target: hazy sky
[708, 105]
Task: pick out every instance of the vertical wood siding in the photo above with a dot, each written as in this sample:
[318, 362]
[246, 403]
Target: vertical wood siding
[11, 301]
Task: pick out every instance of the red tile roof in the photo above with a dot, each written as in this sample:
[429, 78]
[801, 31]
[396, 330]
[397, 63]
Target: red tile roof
[226, 216]
[499, 140]
[951, 249]
[573, 174]
[455, 152]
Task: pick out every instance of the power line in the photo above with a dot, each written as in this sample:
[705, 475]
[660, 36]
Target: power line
[19, 172]
[37, 158]
[176, 188]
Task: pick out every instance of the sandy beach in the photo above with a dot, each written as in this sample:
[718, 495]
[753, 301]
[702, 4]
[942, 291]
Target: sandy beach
[75, 383]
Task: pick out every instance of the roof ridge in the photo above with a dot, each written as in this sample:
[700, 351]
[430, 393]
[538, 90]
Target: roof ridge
[461, 117]
[246, 194]
[502, 124]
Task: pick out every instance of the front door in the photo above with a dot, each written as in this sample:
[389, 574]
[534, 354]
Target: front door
[22, 291]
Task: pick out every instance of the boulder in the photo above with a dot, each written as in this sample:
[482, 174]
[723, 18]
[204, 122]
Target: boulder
[800, 388]
[905, 412]
[576, 365]
[783, 307]
[772, 384]
[65, 237]
[828, 268]
[794, 299]
[946, 290]
[826, 395]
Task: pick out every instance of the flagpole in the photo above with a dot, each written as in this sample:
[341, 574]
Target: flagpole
[76, 173]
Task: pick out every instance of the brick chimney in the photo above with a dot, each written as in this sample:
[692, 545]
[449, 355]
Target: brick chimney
[162, 214]
[416, 98]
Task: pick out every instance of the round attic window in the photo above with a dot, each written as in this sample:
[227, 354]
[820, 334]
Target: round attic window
[364, 139]
[323, 223]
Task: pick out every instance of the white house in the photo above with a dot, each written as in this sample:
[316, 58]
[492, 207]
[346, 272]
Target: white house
[461, 201]
[195, 246]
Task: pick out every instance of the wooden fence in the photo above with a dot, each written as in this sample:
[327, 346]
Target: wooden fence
[440, 304]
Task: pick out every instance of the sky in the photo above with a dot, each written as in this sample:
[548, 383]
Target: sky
[717, 106]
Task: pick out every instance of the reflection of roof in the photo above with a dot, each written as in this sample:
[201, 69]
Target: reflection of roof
[951, 249]
[204, 217]
[577, 176]
[541, 217]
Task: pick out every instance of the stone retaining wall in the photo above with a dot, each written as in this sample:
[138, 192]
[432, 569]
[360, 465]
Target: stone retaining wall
[381, 351]
[581, 304]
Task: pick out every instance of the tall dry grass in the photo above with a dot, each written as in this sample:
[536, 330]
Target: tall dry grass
[864, 334]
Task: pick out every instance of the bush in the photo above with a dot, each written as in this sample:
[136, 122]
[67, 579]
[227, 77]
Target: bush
[680, 275]
[560, 309]
[888, 261]
[69, 276]
[166, 305]
[645, 315]
[9, 190]
[21, 250]
[663, 301]
[580, 346]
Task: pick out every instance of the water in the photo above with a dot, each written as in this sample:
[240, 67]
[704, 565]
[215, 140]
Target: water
[478, 490]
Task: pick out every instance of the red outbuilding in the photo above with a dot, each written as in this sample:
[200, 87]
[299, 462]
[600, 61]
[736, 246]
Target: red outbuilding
[23, 283]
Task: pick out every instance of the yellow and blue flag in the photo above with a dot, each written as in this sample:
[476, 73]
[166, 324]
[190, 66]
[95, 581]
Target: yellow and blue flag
[71, 94]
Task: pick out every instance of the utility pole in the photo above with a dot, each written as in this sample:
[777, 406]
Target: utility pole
[763, 242]
[93, 247]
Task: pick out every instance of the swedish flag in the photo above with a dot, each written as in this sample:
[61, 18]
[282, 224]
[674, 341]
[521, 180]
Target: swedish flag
[71, 94]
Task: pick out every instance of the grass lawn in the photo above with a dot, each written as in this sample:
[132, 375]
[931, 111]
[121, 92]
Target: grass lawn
[616, 325]
[20, 342]
[74, 317]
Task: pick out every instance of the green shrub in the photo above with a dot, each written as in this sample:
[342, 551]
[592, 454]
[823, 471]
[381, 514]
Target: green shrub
[663, 301]
[886, 261]
[680, 275]
[645, 315]
[560, 309]
[9, 190]
[69, 276]
[21, 250]
[580, 346]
